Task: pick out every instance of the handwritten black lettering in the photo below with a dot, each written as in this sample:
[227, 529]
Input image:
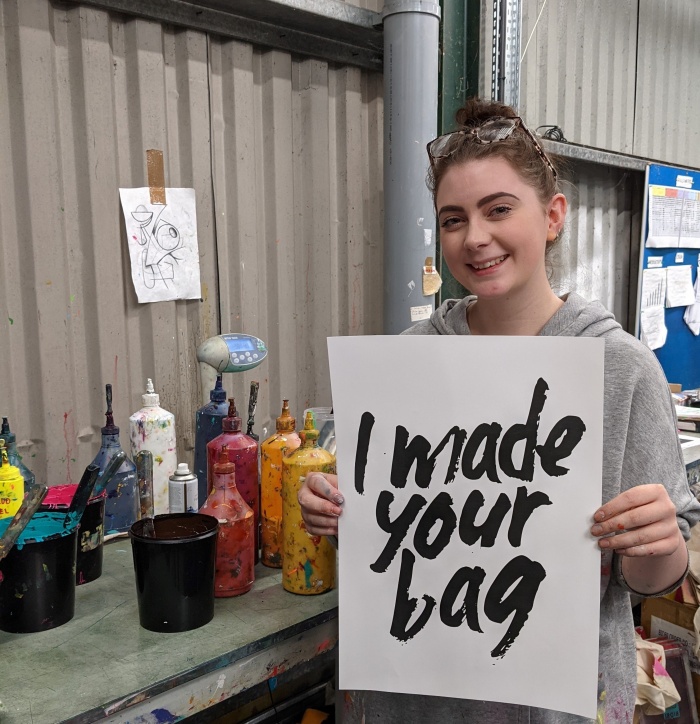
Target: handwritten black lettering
[472, 578]
[406, 605]
[570, 429]
[469, 532]
[519, 601]
[406, 453]
[363, 436]
[397, 528]
[527, 432]
[439, 510]
[525, 505]
[488, 433]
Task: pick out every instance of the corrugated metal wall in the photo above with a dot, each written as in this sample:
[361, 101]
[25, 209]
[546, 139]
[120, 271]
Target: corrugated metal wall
[617, 76]
[285, 157]
[668, 91]
[614, 75]
[598, 255]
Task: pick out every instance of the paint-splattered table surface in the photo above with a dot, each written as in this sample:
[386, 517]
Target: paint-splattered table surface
[103, 661]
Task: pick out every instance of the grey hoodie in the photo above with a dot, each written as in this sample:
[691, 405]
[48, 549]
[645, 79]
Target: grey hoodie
[640, 446]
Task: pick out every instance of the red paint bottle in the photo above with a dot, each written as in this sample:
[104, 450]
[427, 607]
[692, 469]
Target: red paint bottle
[243, 453]
[235, 544]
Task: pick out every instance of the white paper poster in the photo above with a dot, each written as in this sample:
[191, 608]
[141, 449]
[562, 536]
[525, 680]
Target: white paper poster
[674, 217]
[471, 469]
[162, 244]
[679, 286]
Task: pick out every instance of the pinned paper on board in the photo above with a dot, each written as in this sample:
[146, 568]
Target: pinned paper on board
[163, 245]
[450, 513]
[653, 288]
[691, 316]
[679, 286]
[674, 217]
[653, 327]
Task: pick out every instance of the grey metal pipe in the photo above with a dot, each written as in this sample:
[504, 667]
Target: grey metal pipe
[411, 50]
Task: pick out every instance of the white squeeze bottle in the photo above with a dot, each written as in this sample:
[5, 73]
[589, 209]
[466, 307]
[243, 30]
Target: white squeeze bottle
[152, 428]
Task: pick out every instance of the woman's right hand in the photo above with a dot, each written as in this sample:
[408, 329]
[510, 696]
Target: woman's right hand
[320, 502]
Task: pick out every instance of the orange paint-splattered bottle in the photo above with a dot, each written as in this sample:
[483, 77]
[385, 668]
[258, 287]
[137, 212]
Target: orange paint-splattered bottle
[235, 545]
[285, 440]
[308, 562]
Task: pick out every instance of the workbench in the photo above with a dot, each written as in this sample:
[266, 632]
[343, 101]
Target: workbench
[103, 667]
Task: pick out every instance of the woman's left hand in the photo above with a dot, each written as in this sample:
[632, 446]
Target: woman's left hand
[644, 521]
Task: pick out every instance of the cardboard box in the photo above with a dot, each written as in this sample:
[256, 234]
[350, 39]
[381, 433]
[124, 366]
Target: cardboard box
[656, 611]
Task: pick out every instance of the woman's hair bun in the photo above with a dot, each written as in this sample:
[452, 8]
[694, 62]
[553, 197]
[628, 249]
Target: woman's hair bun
[475, 112]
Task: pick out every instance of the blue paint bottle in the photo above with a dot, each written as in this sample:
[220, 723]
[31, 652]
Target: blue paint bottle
[12, 453]
[122, 504]
[208, 421]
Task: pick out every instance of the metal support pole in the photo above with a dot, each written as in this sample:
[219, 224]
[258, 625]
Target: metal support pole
[411, 51]
[507, 25]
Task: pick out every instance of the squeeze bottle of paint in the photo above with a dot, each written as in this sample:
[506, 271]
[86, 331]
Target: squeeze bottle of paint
[13, 455]
[271, 452]
[243, 452]
[308, 562]
[182, 491]
[122, 503]
[235, 545]
[152, 428]
[11, 485]
[208, 421]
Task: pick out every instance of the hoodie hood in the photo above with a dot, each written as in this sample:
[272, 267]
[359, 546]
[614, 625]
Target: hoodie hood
[576, 318]
[580, 318]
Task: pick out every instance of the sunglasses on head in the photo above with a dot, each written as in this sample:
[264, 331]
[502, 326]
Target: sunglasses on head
[491, 131]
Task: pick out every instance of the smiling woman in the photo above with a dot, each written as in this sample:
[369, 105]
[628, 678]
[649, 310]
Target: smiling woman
[500, 209]
[494, 230]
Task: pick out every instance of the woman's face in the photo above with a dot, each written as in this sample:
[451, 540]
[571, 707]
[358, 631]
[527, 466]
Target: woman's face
[494, 230]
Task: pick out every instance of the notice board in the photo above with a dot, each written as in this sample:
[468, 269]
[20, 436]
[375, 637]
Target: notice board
[668, 312]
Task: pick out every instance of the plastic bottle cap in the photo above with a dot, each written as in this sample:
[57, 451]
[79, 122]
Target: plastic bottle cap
[182, 472]
[231, 423]
[110, 428]
[8, 472]
[6, 434]
[223, 466]
[309, 435]
[151, 398]
[218, 394]
[285, 422]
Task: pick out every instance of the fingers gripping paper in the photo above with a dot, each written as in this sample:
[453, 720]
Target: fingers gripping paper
[471, 468]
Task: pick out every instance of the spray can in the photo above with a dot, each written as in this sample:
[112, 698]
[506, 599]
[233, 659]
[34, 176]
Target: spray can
[13, 454]
[235, 545]
[122, 504]
[243, 452]
[272, 450]
[183, 491]
[208, 421]
[11, 485]
[308, 562]
[153, 428]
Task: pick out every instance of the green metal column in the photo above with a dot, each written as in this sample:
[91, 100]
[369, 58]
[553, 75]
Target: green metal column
[459, 80]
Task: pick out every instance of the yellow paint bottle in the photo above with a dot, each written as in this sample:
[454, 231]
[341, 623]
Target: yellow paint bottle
[271, 453]
[308, 562]
[11, 485]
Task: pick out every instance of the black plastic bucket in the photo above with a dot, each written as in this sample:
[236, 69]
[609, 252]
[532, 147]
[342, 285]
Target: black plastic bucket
[91, 541]
[174, 570]
[37, 578]
[90, 533]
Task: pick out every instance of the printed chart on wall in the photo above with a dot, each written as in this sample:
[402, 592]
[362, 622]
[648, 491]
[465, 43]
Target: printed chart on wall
[668, 304]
